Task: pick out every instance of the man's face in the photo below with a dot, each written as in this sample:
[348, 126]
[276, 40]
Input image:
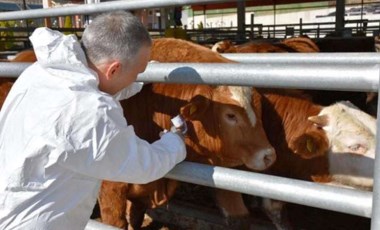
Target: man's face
[130, 70]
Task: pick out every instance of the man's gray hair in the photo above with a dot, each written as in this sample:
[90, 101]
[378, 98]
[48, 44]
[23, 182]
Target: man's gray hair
[114, 35]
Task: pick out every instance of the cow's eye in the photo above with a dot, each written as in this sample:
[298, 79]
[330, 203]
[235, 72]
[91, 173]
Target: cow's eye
[358, 148]
[231, 117]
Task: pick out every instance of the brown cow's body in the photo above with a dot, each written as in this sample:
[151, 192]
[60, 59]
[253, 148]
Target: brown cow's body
[5, 87]
[210, 139]
[23, 56]
[176, 50]
[300, 44]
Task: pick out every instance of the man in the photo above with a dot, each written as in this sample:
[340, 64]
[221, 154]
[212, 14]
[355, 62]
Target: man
[63, 129]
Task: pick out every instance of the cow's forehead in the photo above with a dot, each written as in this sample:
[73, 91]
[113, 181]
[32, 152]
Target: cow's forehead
[243, 95]
[345, 116]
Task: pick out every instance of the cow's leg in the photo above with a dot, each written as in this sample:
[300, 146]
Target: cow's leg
[112, 203]
[275, 210]
[233, 208]
[136, 210]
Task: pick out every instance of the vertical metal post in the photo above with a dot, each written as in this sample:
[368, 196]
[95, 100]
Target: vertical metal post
[193, 18]
[274, 19]
[159, 25]
[318, 31]
[88, 18]
[46, 4]
[241, 19]
[361, 12]
[204, 17]
[301, 26]
[375, 220]
[165, 18]
[339, 16]
[26, 20]
[252, 25]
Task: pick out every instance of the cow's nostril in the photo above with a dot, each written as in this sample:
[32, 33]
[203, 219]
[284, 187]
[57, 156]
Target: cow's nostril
[270, 157]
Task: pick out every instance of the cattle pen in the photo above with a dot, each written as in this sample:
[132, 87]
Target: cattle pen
[319, 71]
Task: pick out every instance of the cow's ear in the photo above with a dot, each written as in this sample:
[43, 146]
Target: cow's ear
[319, 120]
[309, 145]
[195, 108]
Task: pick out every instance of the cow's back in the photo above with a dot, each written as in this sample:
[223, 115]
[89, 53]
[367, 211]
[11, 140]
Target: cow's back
[176, 50]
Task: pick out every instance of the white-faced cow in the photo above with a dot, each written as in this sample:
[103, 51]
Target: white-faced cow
[327, 144]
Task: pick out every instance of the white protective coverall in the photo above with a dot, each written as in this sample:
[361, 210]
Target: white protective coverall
[60, 136]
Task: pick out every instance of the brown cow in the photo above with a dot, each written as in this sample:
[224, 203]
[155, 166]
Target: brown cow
[223, 130]
[5, 87]
[327, 144]
[299, 44]
[23, 56]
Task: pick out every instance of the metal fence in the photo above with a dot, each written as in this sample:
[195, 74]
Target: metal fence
[361, 72]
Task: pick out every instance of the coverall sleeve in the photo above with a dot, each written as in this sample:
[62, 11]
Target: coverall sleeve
[116, 153]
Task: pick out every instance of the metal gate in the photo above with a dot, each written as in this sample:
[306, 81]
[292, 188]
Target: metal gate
[322, 71]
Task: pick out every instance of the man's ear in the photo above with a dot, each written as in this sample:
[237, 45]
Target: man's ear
[195, 108]
[113, 70]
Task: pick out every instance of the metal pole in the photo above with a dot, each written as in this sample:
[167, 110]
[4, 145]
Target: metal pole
[252, 25]
[306, 58]
[300, 76]
[240, 20]
[100, 7]
[274, 19]
[339, 16]
[361, 13]
[26, 20]
[47, 4]
[343, 200]
[375, 220]
[204, 17]
[325, 77]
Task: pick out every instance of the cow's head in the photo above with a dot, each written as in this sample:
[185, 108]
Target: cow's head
[224, 122]
[352, 141]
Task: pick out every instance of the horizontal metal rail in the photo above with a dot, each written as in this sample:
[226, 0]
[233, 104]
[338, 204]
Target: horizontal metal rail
[100, 7]
[306, 58]
[339, 75]
[343, 200]
[375, 220]
[323, 76]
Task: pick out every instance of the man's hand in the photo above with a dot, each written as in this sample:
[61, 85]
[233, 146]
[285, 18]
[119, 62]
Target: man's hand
[175, 130]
